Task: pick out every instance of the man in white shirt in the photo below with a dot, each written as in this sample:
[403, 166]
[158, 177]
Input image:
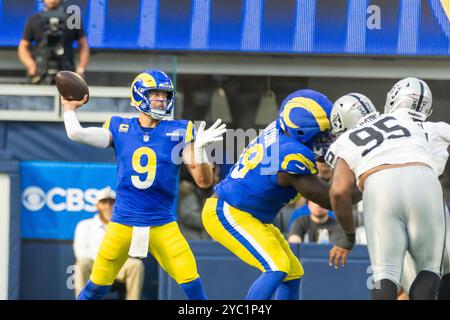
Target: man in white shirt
[89, 234]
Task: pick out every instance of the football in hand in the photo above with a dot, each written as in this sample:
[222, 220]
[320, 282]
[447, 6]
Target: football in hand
[71, 85]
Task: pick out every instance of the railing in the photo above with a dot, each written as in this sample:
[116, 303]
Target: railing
[41, 103]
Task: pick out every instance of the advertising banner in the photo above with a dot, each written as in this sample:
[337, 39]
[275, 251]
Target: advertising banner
[56, 196]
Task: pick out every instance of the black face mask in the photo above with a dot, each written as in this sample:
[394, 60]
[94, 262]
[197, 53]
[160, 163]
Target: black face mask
[320, 144]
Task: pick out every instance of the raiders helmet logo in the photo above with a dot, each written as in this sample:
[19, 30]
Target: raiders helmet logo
[337, 123]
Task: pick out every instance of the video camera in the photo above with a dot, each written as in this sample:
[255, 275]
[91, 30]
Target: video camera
[50, 53]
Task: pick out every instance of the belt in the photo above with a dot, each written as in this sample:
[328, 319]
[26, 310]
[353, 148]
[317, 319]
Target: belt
[366, 174]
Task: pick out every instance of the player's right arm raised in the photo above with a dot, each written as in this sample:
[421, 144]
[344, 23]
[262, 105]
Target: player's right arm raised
[93, 136]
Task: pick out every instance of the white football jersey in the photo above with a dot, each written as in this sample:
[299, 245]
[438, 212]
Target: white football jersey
[386, 139]
[438, 135]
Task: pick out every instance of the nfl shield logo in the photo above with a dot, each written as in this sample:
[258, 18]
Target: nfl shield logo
[146, 138]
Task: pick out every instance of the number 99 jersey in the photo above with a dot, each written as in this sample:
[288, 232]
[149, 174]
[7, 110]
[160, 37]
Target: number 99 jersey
[380, 140]
[252, 184]
[148, 161]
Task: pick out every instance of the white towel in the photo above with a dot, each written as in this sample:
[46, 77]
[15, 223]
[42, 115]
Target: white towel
[139, 242]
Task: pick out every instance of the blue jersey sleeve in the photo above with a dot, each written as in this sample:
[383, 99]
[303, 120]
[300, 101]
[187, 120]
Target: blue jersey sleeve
[297, 159]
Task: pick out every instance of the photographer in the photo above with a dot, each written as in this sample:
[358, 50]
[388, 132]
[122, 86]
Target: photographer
[47, 44]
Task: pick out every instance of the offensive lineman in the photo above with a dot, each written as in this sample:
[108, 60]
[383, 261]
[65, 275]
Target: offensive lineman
[390, 161]
[273, 168]
[149, 150]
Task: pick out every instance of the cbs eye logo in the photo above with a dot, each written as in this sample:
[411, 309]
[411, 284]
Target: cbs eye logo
[33, 198]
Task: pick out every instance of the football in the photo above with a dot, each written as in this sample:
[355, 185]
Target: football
[71, 85]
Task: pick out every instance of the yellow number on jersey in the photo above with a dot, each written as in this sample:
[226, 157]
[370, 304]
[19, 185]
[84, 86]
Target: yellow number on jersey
[250, 159]
[149, 168]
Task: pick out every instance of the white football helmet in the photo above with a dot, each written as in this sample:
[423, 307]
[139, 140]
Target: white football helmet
[350, 110]
[410, 96]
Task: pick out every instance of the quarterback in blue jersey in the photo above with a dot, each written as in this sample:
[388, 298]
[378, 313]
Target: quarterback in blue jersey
[274, 168]
[149, 151]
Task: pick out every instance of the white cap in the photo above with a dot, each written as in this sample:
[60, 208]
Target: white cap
[106, 193]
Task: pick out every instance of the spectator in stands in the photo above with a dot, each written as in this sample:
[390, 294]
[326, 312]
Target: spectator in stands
[88, 237]
[47, 44]
[316, 227]
[190, 205]
[288, 214]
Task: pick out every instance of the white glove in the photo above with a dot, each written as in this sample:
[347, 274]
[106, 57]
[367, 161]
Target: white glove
[205, 137]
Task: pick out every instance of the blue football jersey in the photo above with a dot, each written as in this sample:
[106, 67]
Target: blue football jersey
[252, 184]
[148, 161]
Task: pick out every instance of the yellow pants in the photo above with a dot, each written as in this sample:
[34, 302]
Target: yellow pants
[166, 244]
[257, 244]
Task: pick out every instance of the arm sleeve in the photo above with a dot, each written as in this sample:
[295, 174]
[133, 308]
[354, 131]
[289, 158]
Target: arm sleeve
[93, 136]
[80, 243]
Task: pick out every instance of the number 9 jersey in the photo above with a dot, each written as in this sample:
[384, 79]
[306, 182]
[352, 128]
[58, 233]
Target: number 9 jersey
[380, 140]
[148, 161]
[252, 184]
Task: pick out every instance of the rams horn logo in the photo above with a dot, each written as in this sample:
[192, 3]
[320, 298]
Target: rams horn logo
[441, 10]
[446, 6]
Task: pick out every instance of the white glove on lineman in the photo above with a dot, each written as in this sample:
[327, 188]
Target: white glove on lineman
[205, 137]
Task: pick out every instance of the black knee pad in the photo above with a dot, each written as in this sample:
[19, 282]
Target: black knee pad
[444, 288]
[385, 289]
[425, 286]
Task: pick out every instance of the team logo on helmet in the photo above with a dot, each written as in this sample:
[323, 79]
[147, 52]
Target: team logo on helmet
[304, 114]
[152, 80]
[393, 93]
[337, 123]
[349, 110]
[309, 105]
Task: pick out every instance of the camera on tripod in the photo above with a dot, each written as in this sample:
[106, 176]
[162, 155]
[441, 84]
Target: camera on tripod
[50, 53]
[55, 36]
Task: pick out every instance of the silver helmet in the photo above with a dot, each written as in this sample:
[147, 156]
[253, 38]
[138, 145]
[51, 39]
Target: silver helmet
[350, 110]
[410, 96]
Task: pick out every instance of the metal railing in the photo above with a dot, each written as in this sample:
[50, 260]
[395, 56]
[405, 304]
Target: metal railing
[41, 103]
